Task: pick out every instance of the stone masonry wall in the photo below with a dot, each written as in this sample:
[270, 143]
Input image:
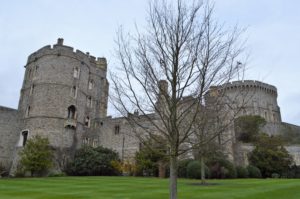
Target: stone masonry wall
[9, 132]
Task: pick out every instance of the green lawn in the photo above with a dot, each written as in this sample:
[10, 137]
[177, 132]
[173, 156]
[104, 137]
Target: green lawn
[145, 188]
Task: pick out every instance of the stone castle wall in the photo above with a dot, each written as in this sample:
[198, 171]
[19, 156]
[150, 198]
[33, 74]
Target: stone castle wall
[53, 72]
[118, 134]
[10, 132]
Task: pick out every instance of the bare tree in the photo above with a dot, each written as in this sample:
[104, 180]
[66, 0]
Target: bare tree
[182, 52]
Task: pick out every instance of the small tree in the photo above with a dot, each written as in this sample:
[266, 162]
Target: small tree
[36, 156]
[270, 156]
[152, 160]
[248, 127]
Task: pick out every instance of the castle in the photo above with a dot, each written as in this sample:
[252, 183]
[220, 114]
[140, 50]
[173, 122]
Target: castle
[64, 97]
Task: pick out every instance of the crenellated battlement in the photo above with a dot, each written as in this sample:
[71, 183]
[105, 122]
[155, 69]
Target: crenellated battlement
[61, 50]
[250, 84]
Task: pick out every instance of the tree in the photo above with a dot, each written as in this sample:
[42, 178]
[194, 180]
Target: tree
[182, 52]
[248, 127]
[36, 156]
[270, 156]
[89, 161]
[152, 160]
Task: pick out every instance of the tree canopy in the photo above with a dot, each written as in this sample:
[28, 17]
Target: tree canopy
[247, 127]
[36, 156]
[182, 51]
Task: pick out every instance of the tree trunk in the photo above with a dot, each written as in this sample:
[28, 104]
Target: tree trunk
[161, 169]
[202, 170]
[173, 177]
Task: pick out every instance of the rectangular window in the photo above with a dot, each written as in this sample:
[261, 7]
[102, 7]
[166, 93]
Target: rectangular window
[117, 130]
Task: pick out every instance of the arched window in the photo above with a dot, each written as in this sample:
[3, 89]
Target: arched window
[91, 84]
[24, 136]
[76, 72]
[89, 102]
[74, 91]
[87, 121]
[95, 143]
[71, 112]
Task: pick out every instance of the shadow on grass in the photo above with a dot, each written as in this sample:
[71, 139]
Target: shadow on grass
[205, 184]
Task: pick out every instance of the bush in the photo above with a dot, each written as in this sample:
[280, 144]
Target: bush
[229, 170]
[294, 172]
[19, 173]
[182, 168]
[89, 161]
[275, 175]
[3, 170]
[242, 172]
[61, 174]
[194, 170]
[253, 172]
[222, 168]
[270, 156]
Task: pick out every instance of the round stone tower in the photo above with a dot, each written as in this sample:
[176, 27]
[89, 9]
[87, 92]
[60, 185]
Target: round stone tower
[62, 94]
[239, 98]
[254, 98]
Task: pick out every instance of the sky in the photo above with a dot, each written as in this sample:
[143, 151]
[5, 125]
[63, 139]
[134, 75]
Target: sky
[272, 32]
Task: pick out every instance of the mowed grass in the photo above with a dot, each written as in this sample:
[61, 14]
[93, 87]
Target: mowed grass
[145, 188]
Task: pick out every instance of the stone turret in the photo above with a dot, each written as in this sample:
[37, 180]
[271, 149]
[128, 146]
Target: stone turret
[261, 98]
[162, 94]
[62, 94]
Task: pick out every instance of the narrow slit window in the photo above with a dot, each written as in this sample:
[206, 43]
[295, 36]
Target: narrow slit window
[117, 130]
[31, 89]
[76, 72]
[27, 111]
[74, 91]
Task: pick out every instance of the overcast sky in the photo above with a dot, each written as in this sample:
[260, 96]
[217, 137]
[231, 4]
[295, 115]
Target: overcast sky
[273, 31]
